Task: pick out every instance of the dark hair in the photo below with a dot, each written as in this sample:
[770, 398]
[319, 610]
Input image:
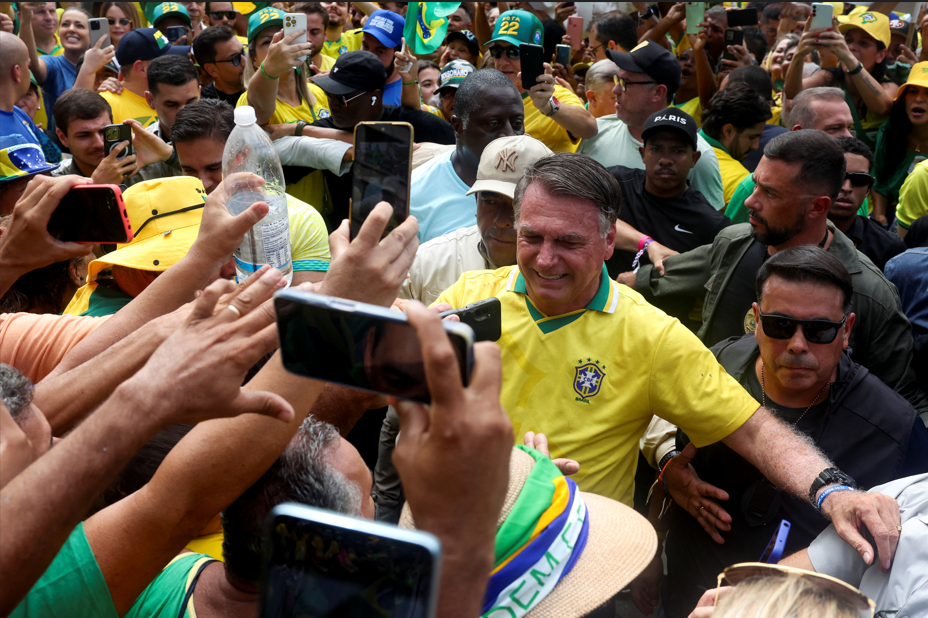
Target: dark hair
[203, 119]
[79, 104]
[553, 33]
[755, 41]
[807, 264]
[204, 45]
[466, 10]
[897, 137]
[472, 92]
[568, 174]
[738, 105]
[301, 474]
[618, 27]
[15, 390]
[823, 162]
[770, 12]
[310, 8]
[171, 70]
[43, 290]
[755, 77]
[426, 64]
[852, 145]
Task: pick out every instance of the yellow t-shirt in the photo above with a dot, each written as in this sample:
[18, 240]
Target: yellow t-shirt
[326, 62]
[591, 380]
[435, 111]
[309, 239]
[777, 112]
[693, 107]
[348, 41]
[544, 129]
[731, 169]
[130, 105]
[913, 196]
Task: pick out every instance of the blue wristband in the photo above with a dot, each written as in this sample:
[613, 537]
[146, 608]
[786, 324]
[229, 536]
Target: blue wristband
[824, 494]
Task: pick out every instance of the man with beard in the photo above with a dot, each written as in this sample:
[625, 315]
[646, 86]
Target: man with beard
[797, 180]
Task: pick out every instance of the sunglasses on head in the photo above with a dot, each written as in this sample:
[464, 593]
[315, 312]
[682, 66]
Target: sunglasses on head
[122, 22]
[815, 331]
[223, 14]
[859, 179]
[511, 52]
[235, 59]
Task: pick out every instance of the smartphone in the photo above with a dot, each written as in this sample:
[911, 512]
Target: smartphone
[742, 17]
[114, 134]
[822, 16]
[91, 214]
[484, 317]
[99, 28]
[695, 15]
[774, 549]
[174, 33]
[562, 56]
[292, 23]
[327, 565]
[382, 165]
[732, 37]
[575, 30]
[359, 345]
[533, 63]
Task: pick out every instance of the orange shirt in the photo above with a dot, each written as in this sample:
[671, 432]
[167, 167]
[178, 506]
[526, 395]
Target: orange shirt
[36, 343]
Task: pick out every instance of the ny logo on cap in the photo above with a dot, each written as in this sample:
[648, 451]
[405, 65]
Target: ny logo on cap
[507, 158]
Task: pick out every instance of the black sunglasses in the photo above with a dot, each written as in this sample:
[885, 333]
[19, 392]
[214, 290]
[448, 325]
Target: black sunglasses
[511, 52]
[859, 179]
[223, 14]
[815, 331]
[122, 22]
[235, 59]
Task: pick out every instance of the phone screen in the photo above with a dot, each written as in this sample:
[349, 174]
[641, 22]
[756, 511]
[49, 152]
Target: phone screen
[357, 349]
[90, 214]
[327, 571]
[382, 164]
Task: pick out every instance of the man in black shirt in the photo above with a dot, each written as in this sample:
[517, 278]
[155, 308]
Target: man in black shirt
[869, 237]
[221, 55]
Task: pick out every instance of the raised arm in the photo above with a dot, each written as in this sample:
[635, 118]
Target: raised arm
[794, 82]
[705, 80]
[574, 118]
[282, 56]
[94, 59]
[36, 65]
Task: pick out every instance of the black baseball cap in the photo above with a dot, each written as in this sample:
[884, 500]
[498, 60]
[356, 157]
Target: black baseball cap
[145, 44]
[671, 119]
[469, 38]
[356, 70]
[652, 59]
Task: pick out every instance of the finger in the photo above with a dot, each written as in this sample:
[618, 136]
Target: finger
[715, 515]
[529, 439]
[414, 420]
[685, 456]
[52, 194]
[487, 373]
[567, 466]
[205, 304]
[442, 372]
[252, 278]
[339, 240]
[249, 297]
[659, 267]
[290, 38]
[264, 403]
[541, 444]
[710, 530]
[882, 527]
[853, 538]
[373, 227]
[710, 491]
[441, 307]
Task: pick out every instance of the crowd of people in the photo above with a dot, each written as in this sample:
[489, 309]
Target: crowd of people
[731, 239]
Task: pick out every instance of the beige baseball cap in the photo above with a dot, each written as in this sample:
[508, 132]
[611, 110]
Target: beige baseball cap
[504, 161]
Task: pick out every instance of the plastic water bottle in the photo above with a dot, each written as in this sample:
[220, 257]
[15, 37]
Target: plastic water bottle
[249, 149]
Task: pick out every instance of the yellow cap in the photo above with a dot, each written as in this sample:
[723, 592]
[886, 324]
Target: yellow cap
[873, 23]
[918, 76]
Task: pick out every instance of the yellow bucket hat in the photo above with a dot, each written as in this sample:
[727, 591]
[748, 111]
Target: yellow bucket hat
[918, 76]
[165, 214]
[873, 23]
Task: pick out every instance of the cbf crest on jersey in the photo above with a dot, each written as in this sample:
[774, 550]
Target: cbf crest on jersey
[588, 379]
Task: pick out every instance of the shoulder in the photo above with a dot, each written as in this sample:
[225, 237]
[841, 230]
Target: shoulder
[111, 97]
[479, 284]
[623, 173]
[737, 231]
[435, 165]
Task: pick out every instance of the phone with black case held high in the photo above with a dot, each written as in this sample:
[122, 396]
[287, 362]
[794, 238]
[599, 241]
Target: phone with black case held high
[327, 565]
[360, 345]
[382, 166]
[732, 37]
[532, 58]
[91, 214]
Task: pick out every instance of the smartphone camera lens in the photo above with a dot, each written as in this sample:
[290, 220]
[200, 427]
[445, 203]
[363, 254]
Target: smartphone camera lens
[94, 25]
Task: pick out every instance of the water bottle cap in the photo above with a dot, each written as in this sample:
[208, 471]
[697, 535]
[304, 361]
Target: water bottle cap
[245, 115]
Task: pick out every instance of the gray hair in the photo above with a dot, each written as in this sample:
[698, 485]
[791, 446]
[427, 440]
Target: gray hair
[301, 474]
[15, 390]
[802, 112]
[568, 174]
[599, 75]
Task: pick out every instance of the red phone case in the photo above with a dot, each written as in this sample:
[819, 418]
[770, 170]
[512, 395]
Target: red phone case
[123, 214]
[575, 30]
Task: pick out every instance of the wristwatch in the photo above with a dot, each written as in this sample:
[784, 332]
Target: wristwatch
[830, 476]
[554, 106]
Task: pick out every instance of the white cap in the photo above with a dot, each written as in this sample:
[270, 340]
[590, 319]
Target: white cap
[245, 116]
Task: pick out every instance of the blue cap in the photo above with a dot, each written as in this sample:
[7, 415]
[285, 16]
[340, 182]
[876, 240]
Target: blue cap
[145, 44]
[386, 26]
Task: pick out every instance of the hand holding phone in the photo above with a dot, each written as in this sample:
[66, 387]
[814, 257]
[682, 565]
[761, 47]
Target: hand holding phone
[294, 22]
[575, 31]
[822, 16]
[732, 37]
[533, 64]
[91, 214]
[695, 15]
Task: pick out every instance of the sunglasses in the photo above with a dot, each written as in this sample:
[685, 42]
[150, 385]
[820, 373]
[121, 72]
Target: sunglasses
[738, 573]
[341, 98]
[815, 331]
[859, 179]
[223, 14]
[511, 52]
[122, 22]
[235, 59]
[624, 83]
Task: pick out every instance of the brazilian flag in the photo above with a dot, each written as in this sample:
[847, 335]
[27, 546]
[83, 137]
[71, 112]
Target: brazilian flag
[427, 24]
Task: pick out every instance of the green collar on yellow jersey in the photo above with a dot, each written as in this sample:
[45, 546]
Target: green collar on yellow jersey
[712, 141]
[606, 299]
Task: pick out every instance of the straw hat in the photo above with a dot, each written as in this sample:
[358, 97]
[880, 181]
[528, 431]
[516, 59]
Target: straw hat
[621, 543]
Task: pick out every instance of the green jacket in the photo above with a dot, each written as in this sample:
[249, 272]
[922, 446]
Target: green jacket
[881, 338]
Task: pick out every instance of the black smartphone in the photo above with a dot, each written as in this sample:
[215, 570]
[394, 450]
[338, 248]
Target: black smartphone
[732, 37]
[359, 345]
[323, 564]
[533, 63]
[742, 17]
[113, 134]
[382, 165]
[91, 214]
[484, 317]
[174, 33]
[562, 55]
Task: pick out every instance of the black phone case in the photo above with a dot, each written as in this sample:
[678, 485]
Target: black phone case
[484, 317]
[533, 63]
[125, 135]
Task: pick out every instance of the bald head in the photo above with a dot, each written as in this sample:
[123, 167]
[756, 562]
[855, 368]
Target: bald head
[14, 54]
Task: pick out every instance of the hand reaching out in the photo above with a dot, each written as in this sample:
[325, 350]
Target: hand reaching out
[539, 442]
[696, 496]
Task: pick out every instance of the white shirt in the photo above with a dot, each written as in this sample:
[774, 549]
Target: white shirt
[440, 263]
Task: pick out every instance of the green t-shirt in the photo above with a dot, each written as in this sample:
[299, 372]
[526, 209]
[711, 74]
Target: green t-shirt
[72, 585]
[891, 183]
[738, 212]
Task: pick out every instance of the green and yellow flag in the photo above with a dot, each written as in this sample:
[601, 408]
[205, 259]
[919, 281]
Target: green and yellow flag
[427, 24]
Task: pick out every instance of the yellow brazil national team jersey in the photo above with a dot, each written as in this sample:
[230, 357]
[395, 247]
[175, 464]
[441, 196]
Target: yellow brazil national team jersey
[733, 172]
[128, 105]
[326, 62]
[348, 41]
[592, 379]
[57, 50]
[544, 129]
[693, 107]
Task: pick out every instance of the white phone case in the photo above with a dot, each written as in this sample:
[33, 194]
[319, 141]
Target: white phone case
[292, 23]
[822, 16]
